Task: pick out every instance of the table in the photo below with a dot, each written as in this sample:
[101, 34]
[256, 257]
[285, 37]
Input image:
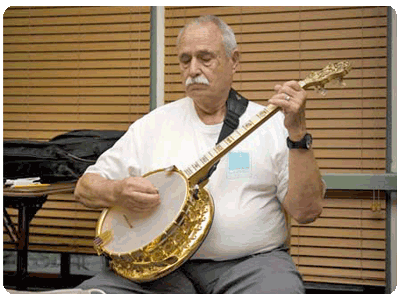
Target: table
[28, 200]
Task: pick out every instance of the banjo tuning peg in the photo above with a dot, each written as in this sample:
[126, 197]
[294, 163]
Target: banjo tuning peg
[320, 90]
[339, 82]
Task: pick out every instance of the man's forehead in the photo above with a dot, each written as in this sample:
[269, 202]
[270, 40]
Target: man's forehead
[201, 38]
[201, 33]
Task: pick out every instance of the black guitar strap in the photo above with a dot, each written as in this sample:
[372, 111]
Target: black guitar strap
[236, 105]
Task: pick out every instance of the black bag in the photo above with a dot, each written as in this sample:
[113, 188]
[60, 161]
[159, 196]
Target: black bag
[62, 159]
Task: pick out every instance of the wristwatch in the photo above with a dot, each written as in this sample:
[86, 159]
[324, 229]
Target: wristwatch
[304, 143]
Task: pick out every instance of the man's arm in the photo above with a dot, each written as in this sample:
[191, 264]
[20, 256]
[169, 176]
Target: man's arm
[303, 200]
[95, 191]
[136, 194]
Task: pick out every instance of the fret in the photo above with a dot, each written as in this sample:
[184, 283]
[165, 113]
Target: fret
[269, 109]
[210, 154]
[213, 152]
[236, 134]
[240, 131]
[255, 121]
[219, 148]
[262, 113]
[225, 142]
[248, 125]
[204, 159]
[195, 166]
[188, 172]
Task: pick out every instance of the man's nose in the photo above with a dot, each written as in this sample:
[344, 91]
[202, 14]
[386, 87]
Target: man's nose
[194, 68]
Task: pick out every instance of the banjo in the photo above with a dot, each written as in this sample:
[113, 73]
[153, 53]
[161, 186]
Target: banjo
[147, 246]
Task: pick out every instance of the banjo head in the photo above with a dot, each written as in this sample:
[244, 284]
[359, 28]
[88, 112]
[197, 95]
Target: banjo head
[131, 232]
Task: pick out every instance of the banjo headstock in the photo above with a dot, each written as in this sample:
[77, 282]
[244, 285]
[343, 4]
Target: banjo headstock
[332, 72]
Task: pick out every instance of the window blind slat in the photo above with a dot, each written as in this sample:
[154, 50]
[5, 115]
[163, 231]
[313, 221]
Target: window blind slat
[94, 100]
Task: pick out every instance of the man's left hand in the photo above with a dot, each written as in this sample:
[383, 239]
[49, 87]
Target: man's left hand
[292, 99]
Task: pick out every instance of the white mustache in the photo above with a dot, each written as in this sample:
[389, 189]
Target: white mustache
[198, 79]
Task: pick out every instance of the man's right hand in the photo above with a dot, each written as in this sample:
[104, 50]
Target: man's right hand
[137, 194]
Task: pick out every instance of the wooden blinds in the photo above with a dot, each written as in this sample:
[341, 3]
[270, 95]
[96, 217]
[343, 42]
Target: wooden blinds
[68, 68]
[277, 44]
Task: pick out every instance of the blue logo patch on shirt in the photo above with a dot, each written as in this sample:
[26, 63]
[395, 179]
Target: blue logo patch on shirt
[239, 165]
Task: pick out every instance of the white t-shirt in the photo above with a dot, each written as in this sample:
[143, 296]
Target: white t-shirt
[248, 185]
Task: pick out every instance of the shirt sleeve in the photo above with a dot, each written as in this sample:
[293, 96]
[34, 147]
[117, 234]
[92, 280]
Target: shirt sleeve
[121, 160]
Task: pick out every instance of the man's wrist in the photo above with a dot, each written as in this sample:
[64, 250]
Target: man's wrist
[297, 136]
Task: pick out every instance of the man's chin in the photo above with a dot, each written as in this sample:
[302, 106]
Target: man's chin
[197, 91]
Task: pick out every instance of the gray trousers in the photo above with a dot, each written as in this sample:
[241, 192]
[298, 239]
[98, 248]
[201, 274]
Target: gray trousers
[269, 272]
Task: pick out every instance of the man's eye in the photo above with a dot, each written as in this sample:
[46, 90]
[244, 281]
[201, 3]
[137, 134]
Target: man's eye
[206, 58]
[185, 59]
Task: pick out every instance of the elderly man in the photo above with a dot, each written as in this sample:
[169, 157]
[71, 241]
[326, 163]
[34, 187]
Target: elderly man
[244, 251]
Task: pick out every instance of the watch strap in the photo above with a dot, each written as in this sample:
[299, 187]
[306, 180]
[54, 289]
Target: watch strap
[304, 143]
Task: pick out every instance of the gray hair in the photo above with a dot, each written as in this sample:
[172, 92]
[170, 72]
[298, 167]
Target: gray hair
[228, 36]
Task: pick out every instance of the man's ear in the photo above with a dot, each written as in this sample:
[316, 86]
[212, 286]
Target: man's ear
[235, 59]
